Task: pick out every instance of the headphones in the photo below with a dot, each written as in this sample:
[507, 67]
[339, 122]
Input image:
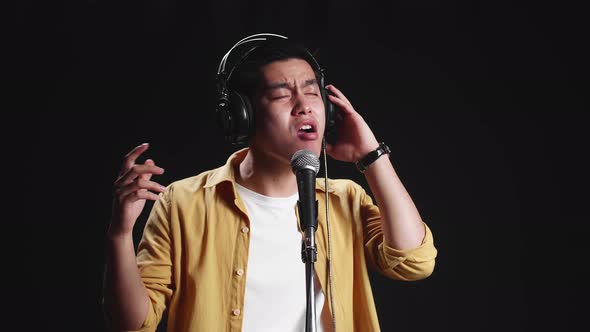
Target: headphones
[235, 114]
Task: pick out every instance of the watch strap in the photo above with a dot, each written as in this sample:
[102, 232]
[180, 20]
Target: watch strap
[370, 158]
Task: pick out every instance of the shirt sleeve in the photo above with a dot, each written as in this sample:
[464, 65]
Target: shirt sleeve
[408, 265]
[155, 262]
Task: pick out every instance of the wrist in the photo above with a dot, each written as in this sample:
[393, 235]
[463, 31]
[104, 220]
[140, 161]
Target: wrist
[366, 149]
[370, 157]
[116, 234]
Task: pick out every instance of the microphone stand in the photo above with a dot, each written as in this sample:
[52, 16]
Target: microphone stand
[309, 255]
[305, 165]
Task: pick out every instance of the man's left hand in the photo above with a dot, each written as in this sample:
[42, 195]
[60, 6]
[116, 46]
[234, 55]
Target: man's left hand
[355, 138]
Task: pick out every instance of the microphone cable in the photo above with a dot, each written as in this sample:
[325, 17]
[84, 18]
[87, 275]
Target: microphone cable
[333, 311]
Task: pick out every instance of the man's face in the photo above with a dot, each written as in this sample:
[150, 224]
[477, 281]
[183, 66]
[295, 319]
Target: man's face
[289, 109]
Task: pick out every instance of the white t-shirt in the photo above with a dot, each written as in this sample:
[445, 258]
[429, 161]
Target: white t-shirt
[275, 277]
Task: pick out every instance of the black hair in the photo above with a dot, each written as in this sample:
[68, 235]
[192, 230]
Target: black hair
[246, 76]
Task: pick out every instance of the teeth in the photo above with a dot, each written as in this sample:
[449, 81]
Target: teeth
[305, 127]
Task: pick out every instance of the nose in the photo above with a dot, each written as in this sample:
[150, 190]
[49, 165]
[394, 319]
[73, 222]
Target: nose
[305, 110]
[301, 106]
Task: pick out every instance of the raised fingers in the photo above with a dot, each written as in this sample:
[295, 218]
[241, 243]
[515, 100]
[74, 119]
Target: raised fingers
[338, 93]
[140, 185]
[130, 157]
[143, 171]
[140, 194]
[147, 176]
[343, 105]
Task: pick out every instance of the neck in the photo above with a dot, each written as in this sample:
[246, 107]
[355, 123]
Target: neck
[266, 174]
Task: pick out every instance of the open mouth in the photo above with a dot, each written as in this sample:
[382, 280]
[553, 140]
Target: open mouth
[307, 128]
[307, 131]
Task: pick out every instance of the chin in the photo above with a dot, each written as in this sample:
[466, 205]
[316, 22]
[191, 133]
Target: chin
[315, 147]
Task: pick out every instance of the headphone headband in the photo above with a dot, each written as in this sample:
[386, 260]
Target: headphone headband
[255, 37]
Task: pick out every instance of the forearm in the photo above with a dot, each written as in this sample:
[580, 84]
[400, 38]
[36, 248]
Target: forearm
[126, 299]
[401, 222]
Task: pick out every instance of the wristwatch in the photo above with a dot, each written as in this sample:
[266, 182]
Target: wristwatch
[370, 158]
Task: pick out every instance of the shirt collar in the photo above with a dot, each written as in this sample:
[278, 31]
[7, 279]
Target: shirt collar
[227, 172]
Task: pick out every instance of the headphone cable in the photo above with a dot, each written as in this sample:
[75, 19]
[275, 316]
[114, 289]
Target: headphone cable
[329, 237]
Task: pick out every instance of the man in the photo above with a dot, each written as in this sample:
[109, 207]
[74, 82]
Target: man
[221, 250]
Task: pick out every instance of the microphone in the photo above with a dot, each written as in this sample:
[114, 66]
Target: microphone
[305, 164]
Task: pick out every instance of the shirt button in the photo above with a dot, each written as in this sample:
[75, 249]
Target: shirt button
[245, 229]
[240, 272]
[235, 312]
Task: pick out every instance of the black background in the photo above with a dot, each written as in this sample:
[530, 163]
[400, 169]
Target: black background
[481, 102]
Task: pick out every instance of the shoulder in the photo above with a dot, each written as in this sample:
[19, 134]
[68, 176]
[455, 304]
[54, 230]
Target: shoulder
[191, 185]
[209, 179]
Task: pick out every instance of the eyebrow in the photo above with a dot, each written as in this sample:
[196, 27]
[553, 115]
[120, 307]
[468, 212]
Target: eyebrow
[274, 86]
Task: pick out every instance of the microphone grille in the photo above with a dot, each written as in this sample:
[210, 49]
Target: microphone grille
[305, 159]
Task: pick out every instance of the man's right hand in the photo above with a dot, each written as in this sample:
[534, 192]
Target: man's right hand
[131, 189]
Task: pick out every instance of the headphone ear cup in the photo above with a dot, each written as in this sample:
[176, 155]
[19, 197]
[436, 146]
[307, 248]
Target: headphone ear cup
[235, 116]
[224, 117]
[331, 131]
[328, 106]
[330, 116]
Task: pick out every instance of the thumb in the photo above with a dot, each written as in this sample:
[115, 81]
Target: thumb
[147, 176]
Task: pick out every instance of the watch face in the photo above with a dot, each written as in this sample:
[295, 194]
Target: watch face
[386, 148]
[362, 164]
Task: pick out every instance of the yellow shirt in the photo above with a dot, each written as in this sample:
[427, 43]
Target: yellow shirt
[193, 256]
